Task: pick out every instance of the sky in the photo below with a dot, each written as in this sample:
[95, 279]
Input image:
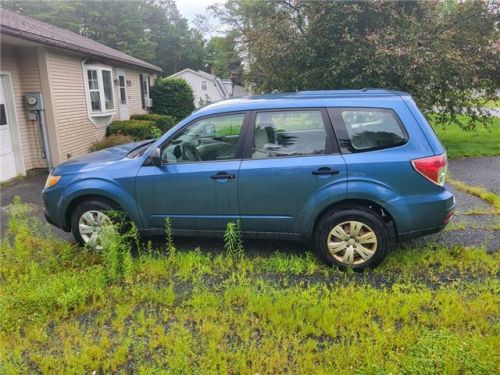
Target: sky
[189, 8]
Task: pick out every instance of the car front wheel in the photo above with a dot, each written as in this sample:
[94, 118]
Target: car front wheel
[89, 220]
[354, 238]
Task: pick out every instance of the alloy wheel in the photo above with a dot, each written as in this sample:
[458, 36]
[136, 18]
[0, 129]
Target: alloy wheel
[352, 242]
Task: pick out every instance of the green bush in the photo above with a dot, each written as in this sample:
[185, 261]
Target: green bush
[172, 96]
[138, 130]
[162, 122]
[110, 141]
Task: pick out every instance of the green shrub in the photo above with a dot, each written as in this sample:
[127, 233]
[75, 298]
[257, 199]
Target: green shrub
[162, 122]
[110, 141]
[138, 130]
[172, 96]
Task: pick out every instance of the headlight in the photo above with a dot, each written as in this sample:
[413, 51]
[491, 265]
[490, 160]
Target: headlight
[51, 181]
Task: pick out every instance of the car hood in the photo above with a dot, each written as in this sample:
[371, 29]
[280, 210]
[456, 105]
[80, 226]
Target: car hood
[97, 159]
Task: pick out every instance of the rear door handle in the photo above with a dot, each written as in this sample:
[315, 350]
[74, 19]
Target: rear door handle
[323, 171]
[222, 176]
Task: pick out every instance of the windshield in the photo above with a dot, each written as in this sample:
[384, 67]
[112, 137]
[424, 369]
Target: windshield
[139, 151]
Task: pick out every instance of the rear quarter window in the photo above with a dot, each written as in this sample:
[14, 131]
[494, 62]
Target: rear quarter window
[364, 129]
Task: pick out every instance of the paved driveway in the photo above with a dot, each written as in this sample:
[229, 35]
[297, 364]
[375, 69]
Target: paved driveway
[484, 172]
[29, 190]
[471, 230]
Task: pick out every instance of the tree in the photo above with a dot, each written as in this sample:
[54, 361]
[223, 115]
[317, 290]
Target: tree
[439, 51]
[222, 55]
[172, 96]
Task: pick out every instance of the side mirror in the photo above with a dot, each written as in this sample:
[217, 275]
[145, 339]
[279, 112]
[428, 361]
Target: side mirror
[156, 157]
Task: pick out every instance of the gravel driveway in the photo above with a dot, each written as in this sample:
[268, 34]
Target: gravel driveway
[465, 229]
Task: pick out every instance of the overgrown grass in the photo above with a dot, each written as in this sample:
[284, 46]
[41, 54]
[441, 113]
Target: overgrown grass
[68, 310]
[479, 192]
[483, 141]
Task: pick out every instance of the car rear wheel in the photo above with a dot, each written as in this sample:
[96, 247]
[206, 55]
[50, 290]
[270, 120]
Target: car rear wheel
[354, 238]
[89, 220]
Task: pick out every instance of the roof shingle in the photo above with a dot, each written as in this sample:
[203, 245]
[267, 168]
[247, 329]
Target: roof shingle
[18, 25]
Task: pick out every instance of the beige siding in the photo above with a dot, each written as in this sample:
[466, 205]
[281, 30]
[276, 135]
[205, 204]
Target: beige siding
[134, 92]
[22, 65]
[74, 131]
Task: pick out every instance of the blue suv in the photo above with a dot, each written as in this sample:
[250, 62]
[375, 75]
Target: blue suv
[352, 170]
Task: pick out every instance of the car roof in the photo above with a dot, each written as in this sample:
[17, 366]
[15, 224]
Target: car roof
[302, 99]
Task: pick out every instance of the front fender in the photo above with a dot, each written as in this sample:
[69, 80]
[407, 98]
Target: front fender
[99, 187]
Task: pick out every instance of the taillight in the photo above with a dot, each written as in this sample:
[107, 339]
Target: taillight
[432, 168]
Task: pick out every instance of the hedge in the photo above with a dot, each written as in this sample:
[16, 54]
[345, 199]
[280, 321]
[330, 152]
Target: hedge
[162, 122]
[136, 129]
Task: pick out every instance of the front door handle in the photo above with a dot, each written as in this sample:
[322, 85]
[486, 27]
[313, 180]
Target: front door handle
[222, 176]
[323, 171]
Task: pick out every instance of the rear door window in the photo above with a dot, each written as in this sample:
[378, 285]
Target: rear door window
[289, 133]
[368, 129]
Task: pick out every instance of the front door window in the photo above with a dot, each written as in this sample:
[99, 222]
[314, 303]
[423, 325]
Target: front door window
[209, 139]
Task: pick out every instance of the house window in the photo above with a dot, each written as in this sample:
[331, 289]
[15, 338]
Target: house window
[203, 85]
[100, 89]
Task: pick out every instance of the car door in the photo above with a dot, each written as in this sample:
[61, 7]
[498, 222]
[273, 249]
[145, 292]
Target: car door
[196, 184]
[290, 158]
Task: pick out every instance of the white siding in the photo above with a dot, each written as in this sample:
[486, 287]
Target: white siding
[195, 81]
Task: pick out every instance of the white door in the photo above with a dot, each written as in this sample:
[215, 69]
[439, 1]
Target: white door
[8, 167]
[122, 94]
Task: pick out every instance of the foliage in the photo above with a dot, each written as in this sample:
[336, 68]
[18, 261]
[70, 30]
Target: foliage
[172, 96]
[162, 122]
[481, 141]
[151, 30]
[441, 52]
[233, 244]
[110, 141]
[136, 129]
[68, 310]
[169, 237]
[222, 55]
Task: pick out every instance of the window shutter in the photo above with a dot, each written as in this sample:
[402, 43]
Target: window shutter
[141, 80]
[149, 85]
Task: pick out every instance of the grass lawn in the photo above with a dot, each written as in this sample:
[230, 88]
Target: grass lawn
[65, 310]
[479, 142]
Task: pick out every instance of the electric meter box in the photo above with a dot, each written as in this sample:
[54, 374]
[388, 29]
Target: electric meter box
[33, 101]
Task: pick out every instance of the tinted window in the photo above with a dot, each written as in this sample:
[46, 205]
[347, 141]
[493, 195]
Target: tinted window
[372, 128]
[288, 133]
[212, 138]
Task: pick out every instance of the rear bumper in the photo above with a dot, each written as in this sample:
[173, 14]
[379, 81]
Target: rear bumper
[420, 233]
[425, 216]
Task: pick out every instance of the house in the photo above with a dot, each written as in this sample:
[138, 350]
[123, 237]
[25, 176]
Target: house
[59, 91]
[208, 88]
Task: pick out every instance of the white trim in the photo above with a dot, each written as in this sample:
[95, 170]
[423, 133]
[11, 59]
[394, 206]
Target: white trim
[11, 112]
[101, 118]
[123, 116]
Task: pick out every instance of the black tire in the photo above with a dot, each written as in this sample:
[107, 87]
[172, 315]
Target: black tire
[359, 214]
[95, 204]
